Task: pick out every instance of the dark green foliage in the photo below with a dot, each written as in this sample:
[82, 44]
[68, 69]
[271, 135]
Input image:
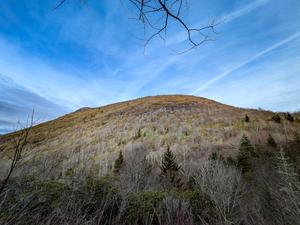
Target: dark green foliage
[276, 118]
[138, 134]
[170, 169]
[166, 130]
[148, 205]
[246, 152]
[271, 142]
[201, 206]
[70, 173]
[191, 183]
[216, 156]
[213, 156]
[297, 137]
[119, 162]
[140, 206]
[43, 201]
[289, 117]
[273, 193]
[230, 161]
[247, 119]
[169, 162]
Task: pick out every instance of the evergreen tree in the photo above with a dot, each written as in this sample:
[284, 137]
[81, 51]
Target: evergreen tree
[213, 156]
[168, 162]
[247, 119]
[138, 134]
[289, 117]
[246, 152]
[119, 162]
[271, 141]
[276, 118]
[170, 169]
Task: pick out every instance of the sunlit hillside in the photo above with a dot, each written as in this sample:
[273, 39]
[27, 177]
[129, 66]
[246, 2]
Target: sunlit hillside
[90, 139]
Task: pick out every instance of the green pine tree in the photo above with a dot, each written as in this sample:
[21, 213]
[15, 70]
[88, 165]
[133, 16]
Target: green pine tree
[170, 169]
[271, 141]
[289, 117]
[119, 162]
[246, 152]
[169, 162]
[276, 118]
[247, 119]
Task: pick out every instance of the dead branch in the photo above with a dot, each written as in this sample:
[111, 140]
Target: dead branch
[19, 145]
[156, 16]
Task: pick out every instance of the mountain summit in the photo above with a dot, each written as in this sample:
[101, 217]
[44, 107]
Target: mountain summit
[193, 128]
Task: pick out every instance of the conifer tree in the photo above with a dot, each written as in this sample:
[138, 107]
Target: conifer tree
[246, 152]
[170, 168]
[276, 118]
[271, 141]
[289, 117]
[168, 162]
[119, 162]
[247, 119]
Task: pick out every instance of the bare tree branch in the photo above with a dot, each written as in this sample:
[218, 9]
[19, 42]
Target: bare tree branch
[19, 145]
[156, 15]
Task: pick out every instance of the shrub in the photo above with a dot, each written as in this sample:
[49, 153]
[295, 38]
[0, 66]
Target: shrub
[246, 119]
[119, 162]
[289, 117]
[271, 142]
[213, 156]
[201, 206]
[287, 193]
[276, 118]
[139, 206]
[297, 137]
[216, 156]
[246, 152]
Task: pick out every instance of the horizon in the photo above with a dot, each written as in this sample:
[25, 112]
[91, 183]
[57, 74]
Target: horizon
[58, 61]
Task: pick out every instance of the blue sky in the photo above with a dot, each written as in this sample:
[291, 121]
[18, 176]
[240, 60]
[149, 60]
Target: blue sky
[78, 56]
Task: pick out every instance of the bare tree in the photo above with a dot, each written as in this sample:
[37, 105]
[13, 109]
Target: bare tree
[19, 144]
[224, 186]
[156, 16]
[134, 176]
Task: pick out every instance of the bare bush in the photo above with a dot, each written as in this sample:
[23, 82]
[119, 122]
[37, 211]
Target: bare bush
[136, 174]
[287, 191]
[19, 145]
[176, 212]
[223, 184]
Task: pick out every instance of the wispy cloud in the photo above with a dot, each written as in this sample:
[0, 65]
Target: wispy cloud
[240, 65]
[17, 102]
[243, 10]
[226, 18]
[76, 57]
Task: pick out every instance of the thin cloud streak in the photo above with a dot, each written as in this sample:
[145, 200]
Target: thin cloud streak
[228, 72]
[243, 10]
[229, 17]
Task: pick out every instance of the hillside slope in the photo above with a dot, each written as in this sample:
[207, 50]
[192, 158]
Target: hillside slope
[89, 139]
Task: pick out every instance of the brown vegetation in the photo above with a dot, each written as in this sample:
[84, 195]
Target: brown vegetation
[89, 140]
[162, 160]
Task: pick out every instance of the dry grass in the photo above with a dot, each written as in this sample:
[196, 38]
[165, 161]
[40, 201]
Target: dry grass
[89, 139]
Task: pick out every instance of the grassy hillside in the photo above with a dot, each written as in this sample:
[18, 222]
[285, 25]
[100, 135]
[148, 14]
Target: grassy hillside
[90, 138]
[164, 160]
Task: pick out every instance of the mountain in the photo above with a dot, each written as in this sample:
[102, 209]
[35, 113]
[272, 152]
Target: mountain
[90, 139]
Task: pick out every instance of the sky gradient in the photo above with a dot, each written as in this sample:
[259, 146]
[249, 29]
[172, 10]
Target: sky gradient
[90, 55]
